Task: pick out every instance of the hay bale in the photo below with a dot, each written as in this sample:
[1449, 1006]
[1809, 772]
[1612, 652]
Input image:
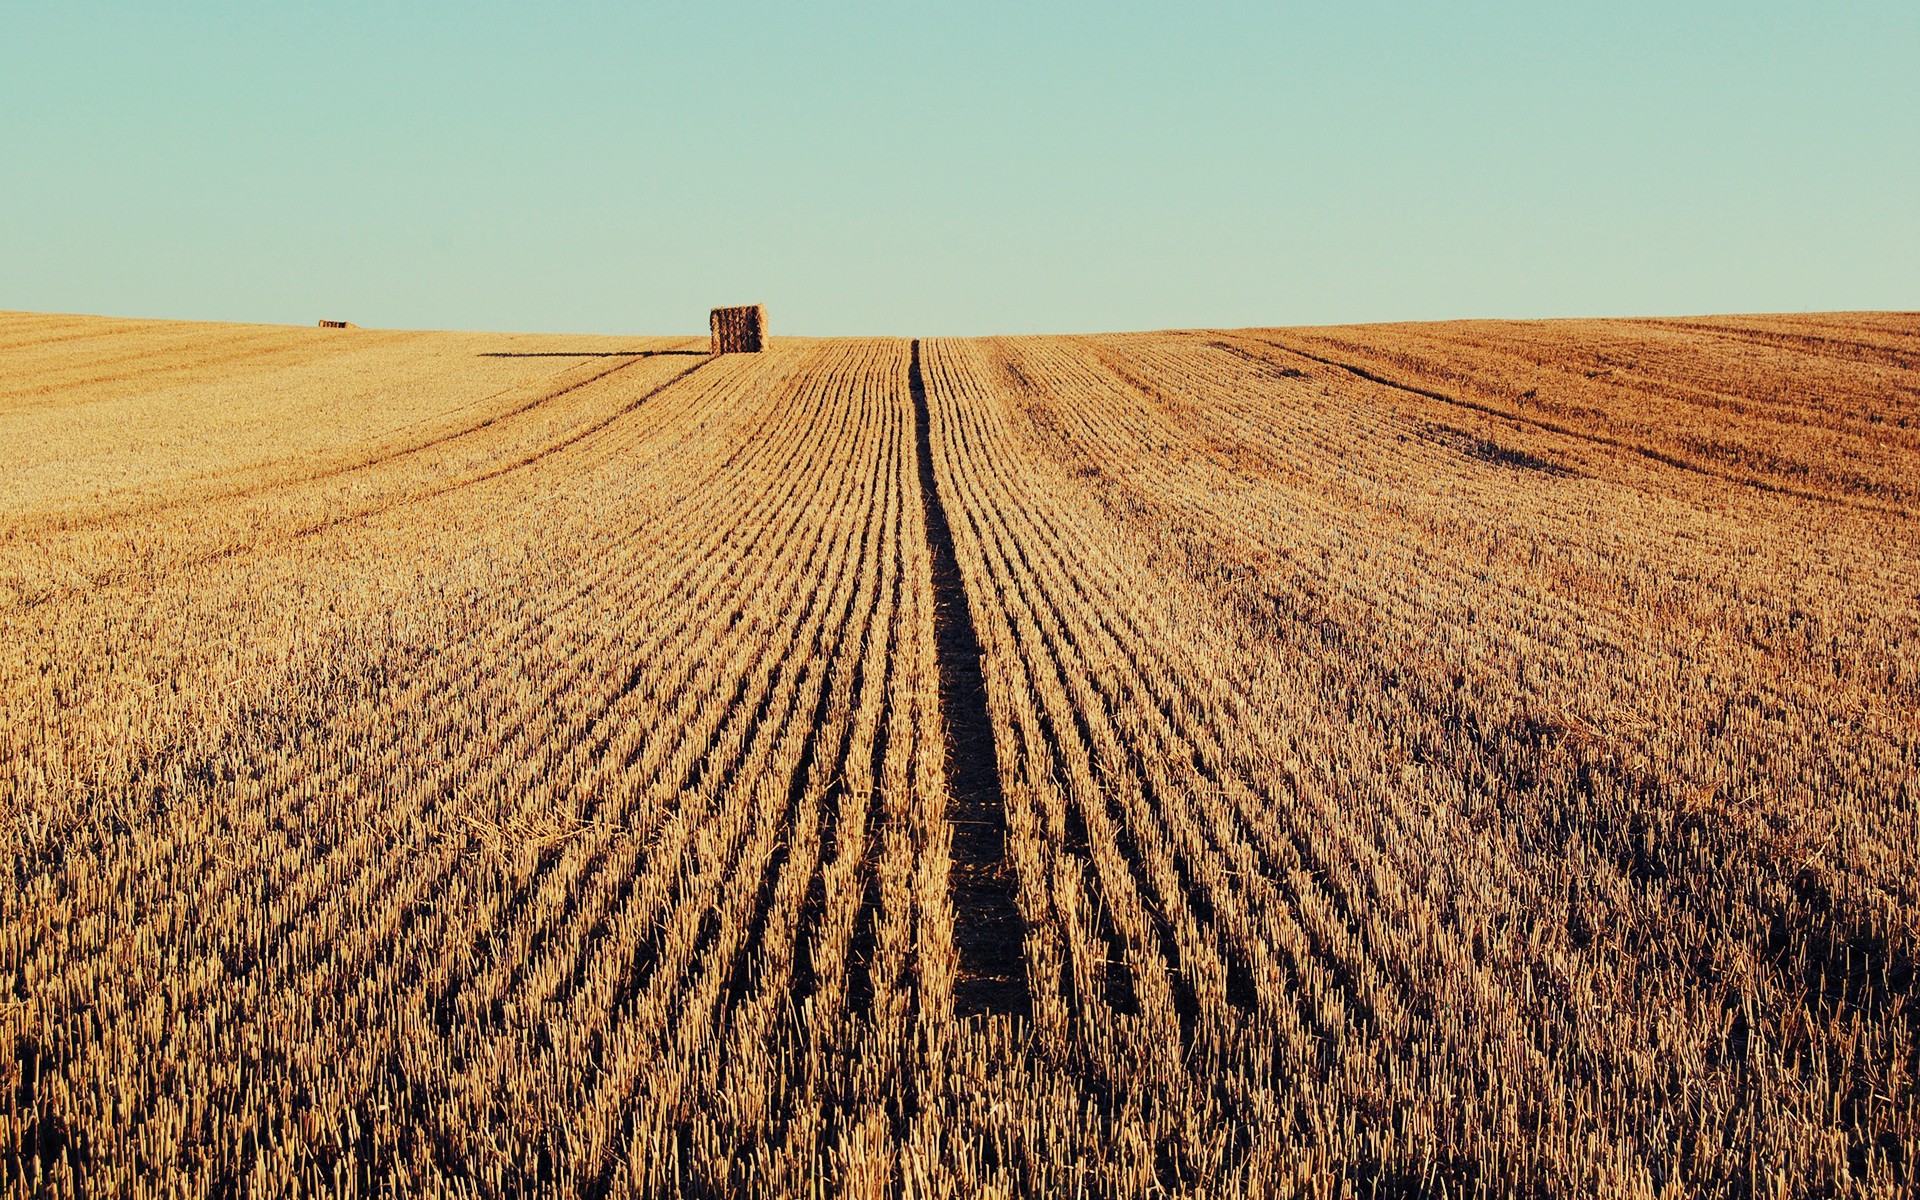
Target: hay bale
[336, 324]
[740, 330]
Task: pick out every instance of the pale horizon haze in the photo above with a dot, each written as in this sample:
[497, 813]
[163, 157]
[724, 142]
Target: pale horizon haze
[956, 169]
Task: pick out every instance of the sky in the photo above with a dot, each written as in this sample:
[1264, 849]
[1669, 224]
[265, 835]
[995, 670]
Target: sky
[958, 168]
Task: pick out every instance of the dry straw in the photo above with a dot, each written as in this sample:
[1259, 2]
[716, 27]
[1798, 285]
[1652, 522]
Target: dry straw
[740, 330]
[1430, 760]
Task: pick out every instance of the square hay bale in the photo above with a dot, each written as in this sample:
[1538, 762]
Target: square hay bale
[325, 324]
[740, 330]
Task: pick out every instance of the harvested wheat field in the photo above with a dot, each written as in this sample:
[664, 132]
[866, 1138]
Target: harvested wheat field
[1463, 759]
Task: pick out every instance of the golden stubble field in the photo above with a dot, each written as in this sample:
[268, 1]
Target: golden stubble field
[1478, 757]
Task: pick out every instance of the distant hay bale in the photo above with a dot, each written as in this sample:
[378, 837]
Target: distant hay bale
[324, 324]
[741, 330]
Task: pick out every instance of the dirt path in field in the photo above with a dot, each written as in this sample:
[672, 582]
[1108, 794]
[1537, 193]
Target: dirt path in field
[987, 927]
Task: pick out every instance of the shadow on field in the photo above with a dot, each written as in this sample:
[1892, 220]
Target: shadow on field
[989, 931]
[589, 353]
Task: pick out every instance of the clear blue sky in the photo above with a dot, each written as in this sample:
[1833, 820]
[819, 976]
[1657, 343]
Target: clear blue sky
[868, 168]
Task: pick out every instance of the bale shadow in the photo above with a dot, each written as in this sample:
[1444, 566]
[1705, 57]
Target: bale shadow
[589, 353]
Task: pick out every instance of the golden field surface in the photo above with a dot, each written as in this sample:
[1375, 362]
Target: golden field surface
[1450, 759]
